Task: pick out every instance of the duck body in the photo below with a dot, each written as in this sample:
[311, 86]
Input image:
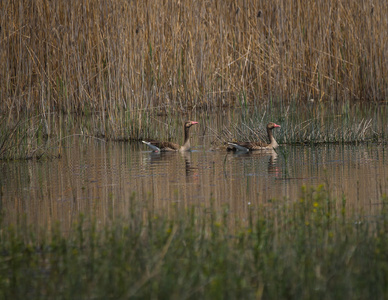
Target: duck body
[257, 146]
[159, 146]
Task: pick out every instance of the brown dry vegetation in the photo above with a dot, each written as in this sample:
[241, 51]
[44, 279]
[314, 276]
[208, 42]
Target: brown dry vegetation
[106, 55]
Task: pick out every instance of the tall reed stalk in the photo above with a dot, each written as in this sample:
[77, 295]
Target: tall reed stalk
[101, 56]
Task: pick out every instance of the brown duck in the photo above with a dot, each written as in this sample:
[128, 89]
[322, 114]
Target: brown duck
[252, 146]
[158, 146]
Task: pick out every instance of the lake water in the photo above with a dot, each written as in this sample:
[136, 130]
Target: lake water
[103, 179]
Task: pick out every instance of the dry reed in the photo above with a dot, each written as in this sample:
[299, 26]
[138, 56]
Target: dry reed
[103, 56]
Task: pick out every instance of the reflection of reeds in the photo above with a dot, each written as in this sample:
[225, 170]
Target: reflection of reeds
[107, 55]
[304, 249]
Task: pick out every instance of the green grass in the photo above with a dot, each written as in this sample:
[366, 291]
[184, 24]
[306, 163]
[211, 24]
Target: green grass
[309, 248]
[23, 138]
[315, 123]
[42, 136]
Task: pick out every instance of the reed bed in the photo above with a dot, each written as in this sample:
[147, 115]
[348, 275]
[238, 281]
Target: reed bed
[45, 135]
[311, 131]
[314, 123]
[103, 56]
[22, 139]
[308, 248]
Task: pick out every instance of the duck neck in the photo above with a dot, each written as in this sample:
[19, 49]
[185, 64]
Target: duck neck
[186, 143]
[272, 141]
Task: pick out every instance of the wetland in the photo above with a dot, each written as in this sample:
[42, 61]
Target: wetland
[110, 218]
[87, 211]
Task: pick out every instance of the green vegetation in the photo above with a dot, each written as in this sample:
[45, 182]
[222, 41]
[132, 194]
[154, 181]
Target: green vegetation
[310, 248]
[123, 70]
[22, 139]
[315, 123]
[42, 136]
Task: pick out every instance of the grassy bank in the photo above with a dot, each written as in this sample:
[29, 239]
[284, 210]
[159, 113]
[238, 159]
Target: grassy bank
[83, 57]
[312, 248]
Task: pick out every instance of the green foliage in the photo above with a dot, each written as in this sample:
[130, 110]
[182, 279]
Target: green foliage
[316, 123]
[23, 138]
[310, 248]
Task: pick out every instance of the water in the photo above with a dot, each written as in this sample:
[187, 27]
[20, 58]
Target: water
[102, 179]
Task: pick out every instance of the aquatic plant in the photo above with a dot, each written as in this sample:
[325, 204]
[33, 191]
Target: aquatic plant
[308, 248]
[315, 124]
[23, 138]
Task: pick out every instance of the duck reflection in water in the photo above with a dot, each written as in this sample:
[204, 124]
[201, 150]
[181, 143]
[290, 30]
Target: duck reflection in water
[271, 155]
[171, 161]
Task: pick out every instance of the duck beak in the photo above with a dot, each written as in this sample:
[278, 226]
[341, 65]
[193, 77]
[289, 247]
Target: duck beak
[277, 126]
[193, 122]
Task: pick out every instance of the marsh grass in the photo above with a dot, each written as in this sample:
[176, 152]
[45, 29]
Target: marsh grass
[43, 136]
[118, 55]
[22, 139]
[314, 123]
[309, 248]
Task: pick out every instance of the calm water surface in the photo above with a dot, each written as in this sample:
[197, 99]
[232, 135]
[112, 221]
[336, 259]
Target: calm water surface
[102, 179]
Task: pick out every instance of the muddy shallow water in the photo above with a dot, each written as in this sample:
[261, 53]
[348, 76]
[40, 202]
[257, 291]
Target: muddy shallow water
[102, 179]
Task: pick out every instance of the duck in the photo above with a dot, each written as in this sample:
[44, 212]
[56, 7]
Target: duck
[260, 145]
[159, 146]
